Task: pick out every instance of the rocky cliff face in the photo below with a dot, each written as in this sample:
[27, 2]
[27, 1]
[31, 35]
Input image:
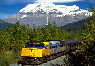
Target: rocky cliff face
[39, 14]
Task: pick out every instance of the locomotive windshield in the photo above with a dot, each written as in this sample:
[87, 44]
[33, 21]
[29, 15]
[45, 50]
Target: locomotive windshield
[34, 45]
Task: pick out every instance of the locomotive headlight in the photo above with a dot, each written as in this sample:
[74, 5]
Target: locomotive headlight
[35, 58]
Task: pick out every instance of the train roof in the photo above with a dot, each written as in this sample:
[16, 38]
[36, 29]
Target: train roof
[54, 40]
[39, 41]
[71, 41]
[36, 42]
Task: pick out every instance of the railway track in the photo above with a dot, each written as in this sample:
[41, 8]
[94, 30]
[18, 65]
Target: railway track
[55, 62]
[39, 61]
[60, 61]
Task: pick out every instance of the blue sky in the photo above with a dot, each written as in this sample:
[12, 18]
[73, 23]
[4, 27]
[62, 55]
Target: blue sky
[10, 7]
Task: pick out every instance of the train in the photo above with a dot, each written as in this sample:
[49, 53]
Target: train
[38, 52]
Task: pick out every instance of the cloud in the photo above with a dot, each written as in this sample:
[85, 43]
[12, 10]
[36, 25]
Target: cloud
[2, 15]
[58, 1]
[31, 1]
[48, 1]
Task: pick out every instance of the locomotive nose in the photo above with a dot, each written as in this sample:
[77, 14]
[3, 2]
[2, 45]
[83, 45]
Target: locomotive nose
[28, 51]
[31, 52]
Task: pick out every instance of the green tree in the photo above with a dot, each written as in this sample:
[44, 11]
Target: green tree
[87, 52]
[68, 29]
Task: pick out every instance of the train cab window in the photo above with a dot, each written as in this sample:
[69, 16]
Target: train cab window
[39, 45]
[34, 46]
[26, 46]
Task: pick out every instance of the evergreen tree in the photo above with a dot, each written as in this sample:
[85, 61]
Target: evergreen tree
[68, 29]
[89, 38]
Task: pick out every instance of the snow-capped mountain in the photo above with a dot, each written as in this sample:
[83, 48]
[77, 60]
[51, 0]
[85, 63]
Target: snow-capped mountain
[39, 14]
[40, 8]
[52, 8]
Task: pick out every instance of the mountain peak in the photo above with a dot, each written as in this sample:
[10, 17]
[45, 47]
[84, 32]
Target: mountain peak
[43, 7]
[50, 8]
[39, 7]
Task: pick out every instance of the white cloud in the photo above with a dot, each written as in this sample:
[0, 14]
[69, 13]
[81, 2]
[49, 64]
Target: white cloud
[57, 1]
[2, 15]
[31, 1]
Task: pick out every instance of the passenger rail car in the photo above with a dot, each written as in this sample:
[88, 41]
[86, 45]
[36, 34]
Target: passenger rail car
[41, 51]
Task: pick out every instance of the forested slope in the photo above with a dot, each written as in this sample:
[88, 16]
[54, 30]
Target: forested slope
[14, 37]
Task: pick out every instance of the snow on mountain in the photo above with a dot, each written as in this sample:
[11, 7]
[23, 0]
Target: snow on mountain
[47, 8]
[23, 16]
[40, 7]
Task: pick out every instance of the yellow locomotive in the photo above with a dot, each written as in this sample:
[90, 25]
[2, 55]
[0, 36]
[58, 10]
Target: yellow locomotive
[41, 51]
[35, 49]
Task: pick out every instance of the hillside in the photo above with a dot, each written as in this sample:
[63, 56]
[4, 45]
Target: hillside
[74, 26]
[3, 24]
